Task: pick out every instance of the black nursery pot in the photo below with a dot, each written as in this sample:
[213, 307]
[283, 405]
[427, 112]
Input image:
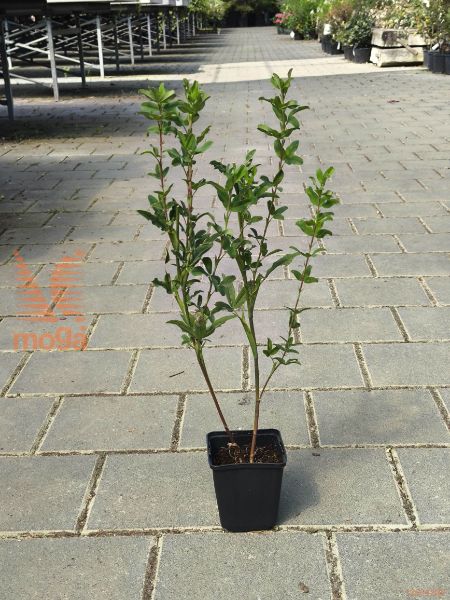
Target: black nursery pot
[247, 495]
[361, 55]
[334, 47]
[425, 58]
[348, 52]
[447, 64]
[438, 65]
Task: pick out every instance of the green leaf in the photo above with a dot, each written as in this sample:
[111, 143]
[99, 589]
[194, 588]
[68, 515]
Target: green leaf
[269, 131]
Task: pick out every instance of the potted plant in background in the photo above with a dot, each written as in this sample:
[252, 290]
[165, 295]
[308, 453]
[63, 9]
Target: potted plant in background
[247, 464]
[301, 18]
[339, 15]
[360, 33]
[280, 21]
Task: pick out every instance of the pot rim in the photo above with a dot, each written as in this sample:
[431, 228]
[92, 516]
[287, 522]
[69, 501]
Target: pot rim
[246, 432]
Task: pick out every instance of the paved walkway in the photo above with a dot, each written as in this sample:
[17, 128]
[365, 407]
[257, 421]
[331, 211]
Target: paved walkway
[105, 491]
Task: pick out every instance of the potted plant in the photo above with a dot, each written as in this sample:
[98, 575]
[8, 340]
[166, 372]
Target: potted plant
[301, 18]
[360, 35]
[247, 464]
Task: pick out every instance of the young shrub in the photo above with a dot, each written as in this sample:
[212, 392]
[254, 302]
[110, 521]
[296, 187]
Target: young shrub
[199, 242]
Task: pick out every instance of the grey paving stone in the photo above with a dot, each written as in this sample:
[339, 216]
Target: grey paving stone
[378, 417]
[360, 244]
[21, 421]
[440, 286]
[348, 325]
[19, 333]
[9, 275]
[17, 221]
[439, 224]
[379, 197]
[8, 364]
[394, 565]
[34, 235]
[339, 486]
[141, 272]
[391, 225]
[134, 331]
[109, 299]
[87, 273]
[310, 374]
[73, 372]
[10, 302]
[330, 265]
[188, 569]
[281, 410]
[357, 210]
[5, 254]
[93, 233]
[87, 219]
[381, 292]
[110, 568]
[412, 265]
[416, 209]
[408, 364]
[426, 472]
[432, 242]
[36, 254]
[176, 370]
[112, 423]
[154, 491]
[42, 492]
[431, 323]
[445, 393]
[135, 250]
[278, 294]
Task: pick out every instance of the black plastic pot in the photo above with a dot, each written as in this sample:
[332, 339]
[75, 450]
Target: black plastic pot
[324, 42]
[438, 65]
[361, 55]
[334, 47]
[447, 64]
[430, 60]
[348, 52]
[247, 494]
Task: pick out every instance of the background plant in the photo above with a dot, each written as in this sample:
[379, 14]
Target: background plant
[302, 16]
[206, 298]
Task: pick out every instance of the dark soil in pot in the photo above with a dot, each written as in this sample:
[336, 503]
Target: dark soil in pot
[438, 63]
[361, 55]
[247, 494]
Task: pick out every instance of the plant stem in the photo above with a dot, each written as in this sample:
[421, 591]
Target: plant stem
[201, 362]
[305, 265]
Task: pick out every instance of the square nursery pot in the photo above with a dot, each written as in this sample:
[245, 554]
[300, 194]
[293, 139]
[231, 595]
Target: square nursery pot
[348, 52]
[438, 63]
[361, 55]
[425, 58]
[325, 43]
[335, 47]
[447, 64]
[247, 495]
